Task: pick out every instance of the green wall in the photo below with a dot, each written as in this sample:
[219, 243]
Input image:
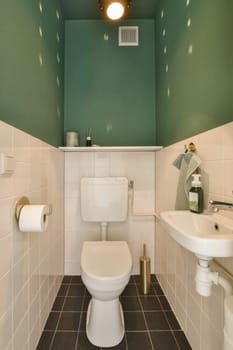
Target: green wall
[110, 88]
[30, 98]
[200, 82]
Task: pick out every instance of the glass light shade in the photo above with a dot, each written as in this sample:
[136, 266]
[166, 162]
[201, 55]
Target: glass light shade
[115, 10]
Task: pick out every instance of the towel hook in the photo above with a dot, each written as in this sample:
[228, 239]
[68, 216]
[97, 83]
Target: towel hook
[191, 148]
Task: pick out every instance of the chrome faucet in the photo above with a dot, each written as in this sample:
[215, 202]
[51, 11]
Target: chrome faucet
[216, 205]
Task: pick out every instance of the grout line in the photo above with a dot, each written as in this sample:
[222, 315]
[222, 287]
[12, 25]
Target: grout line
[172, 330]
[81, 316]
[143, 314]
[55, 330]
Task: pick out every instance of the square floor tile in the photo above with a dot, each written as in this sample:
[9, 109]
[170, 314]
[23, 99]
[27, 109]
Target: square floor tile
[66, 279]
[58, 304]
[156, 321]
[138, 341]
[165, 304]
[182, 340]
[130, 303]
[76, 279]
[76, 290]
[64, 341]
[86, 302]
[157, 289]
[130, 291]
[154, 279]
[69, 321]
[134, 321]
[121, 346]
[150, 303]
[174, 324]
[45, 341]
[63, 290]
[84, 344]
[136, 278]
[164, 341]
[83, 321]
[52, 321]
[73, 304]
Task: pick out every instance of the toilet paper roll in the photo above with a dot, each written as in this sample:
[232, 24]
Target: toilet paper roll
[33, 218]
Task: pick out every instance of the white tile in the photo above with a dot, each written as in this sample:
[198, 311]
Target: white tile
[20, 244]
[102, 160]
[72, 268]
[213, 177]
[21, 178]
[193, 336]
[228, 141]
[228, 178]
[20, 275]
[21, 335]
[181, 314]
[194, 312]
[6, 216]
[83, 160]
[72, 182]
[34, 285]
[211, 339]
[21, 146]
[5, 293]
[72, 245]
[35, 335]
[72, 213]
[213, 307]
[6, 138]
[5, 254]
[5, 329]
[20, 306]
[6, 186]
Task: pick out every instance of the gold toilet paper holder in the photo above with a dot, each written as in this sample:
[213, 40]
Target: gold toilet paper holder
[19, 206]
[21, 203]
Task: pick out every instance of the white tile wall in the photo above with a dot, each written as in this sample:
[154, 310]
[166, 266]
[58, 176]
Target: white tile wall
[136, 166]
[32, 265]
[201, 318]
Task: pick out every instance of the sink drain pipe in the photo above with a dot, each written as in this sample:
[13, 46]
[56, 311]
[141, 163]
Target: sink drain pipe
[205, 278]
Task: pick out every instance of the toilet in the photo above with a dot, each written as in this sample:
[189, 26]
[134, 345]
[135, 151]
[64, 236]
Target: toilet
[105, 265]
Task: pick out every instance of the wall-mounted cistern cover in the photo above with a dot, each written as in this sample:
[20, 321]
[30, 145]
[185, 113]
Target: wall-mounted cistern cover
[104, 199]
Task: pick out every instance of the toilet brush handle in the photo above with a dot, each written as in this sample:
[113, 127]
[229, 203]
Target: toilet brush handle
[144, 250]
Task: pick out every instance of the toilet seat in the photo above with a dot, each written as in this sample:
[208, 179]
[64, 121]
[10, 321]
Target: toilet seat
[105, 264]
[105, 259]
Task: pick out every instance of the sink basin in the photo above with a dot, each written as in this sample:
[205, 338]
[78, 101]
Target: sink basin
[206, 235]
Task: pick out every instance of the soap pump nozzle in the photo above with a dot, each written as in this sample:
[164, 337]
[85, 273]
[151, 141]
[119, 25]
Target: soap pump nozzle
[196, 180]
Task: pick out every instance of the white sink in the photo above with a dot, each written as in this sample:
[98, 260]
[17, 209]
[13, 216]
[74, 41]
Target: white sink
[206, 235]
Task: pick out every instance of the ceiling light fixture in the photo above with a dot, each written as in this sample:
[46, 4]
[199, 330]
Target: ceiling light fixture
[114, 10]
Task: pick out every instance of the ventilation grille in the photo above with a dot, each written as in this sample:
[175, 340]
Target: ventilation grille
[128, 36]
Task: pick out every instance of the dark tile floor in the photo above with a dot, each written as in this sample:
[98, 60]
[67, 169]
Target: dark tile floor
[149, 321]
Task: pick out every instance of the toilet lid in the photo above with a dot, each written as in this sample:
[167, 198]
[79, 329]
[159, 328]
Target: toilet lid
[106, 259]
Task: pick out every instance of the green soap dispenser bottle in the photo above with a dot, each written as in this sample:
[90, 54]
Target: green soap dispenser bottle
[196, 195]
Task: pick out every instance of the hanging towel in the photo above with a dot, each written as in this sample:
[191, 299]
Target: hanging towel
[187, 163]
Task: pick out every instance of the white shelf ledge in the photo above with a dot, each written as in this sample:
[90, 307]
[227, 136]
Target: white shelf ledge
[112, 149]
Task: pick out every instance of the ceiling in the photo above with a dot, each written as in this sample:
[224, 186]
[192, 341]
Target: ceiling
[89, 9]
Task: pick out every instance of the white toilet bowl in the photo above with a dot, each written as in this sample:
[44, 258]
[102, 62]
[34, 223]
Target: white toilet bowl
[105, 271]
